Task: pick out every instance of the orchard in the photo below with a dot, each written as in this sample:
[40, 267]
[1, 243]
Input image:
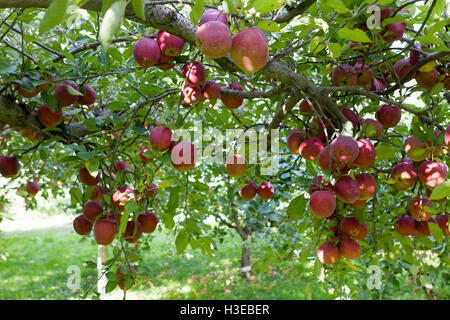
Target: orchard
[321, 127]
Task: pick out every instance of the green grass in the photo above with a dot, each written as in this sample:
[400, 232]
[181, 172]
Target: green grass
[36, 268]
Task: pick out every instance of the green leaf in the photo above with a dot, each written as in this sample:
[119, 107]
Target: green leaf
[50, 100]
[6, 67]
[73, 91]
[131, 207]
[356, 35]
[92, 166]
[112, 20]
[335, 50]
[296, 208]
[338, 5]
[138, 7]
[112, 284]
[172, 204]
[76, 196]
[123, 222]
[315, 46]
[269, 26]
[264, 6]
[196, 12]
[86, 155]
[53, 16]
[181, 241]
[441, 191]
[436, 232]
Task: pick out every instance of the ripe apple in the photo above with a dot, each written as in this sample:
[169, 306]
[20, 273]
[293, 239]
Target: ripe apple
[358, 204]
[328, 253]
[91, 210]
[32, 188]
[122, 165]
[146, 52]
[192, 94]
[213, 15]
[183, 156]
[265, 191]
[405, 175]
[371, 128]
[248, 192]
[131, 274]
[344, 75]
[350, 226]
[350, 248]
[86, 178]
[163, 62]
[151, 190]
[346, 189]
[367, 185]
[195, 73]
[427, 80]
[442, 221]
[401, 69]
[249, 49]
[63, 95]
[294, 139]
[161, 138]
[431, 174]
[306, 106]
[416, 150]
[89, 97]
[405, 225]
[104, 231]
[318, 184]
[49, 118]
[310, 148]
[363, 231]
[229, 101]
[447, 136]
[417, 208]
[324, 159]
[211, 90]
[81, 225]
[364, 73]
[169, 44]
[377, 85]
[97, 193]
[148, 221]
[423, 228]
[133, 232]
[214, 39]
[344, 149]
[393, 31]
[366, 154]
[351, 116]
[322, 203]
[144, 157]
[9, 166]
[235, 165]
[389, 116]
[122, 196]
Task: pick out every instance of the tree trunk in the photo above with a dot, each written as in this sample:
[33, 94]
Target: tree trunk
[102, 252]
[245, 253]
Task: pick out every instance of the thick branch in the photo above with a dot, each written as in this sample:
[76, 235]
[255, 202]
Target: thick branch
[293, 12]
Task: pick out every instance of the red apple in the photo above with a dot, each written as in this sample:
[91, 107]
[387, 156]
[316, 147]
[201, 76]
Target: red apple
[169, 44]
[195, 73]
[148, 221]
[122, 196]
[371, 128]
[86, 178]
[213, 15]
[431, 174]
[350, 248]
[248, 192]
[235, 165]
[183, 156]
[367, 185]
[122, 165]
[346, 189]
[417, 208]
[211, 90]
[405, 175]
[91, 210]
[364, 72]
[48, 117]
[132, 232]
[366, 155]
[427, 80]
[351, 116]
[97, 194]
[405, 225]
[328, 253]
[161, 138]
[363, 231]
[9, 166]
[214, 39]
[151, 190]
[306, 106]
[229, 101]
[344, 75]
[377, 85]
[144, 157]
[322, 203]
[393, 31]
[416, 150]
[104, 231]
[146, 52]
[389, 116]
[192, 94]
[350, 226]
[89, 96]
[344, 149]
[249, 49]
[265, 191]
[63, 95]
[294, 139]
[32, 188]
[442, 221]
[82, 226]
[310, 148]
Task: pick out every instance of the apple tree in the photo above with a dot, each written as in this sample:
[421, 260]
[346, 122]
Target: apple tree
[320, 125]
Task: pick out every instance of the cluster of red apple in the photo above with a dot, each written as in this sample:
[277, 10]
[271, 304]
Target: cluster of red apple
[362, 74]
[421, 165]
